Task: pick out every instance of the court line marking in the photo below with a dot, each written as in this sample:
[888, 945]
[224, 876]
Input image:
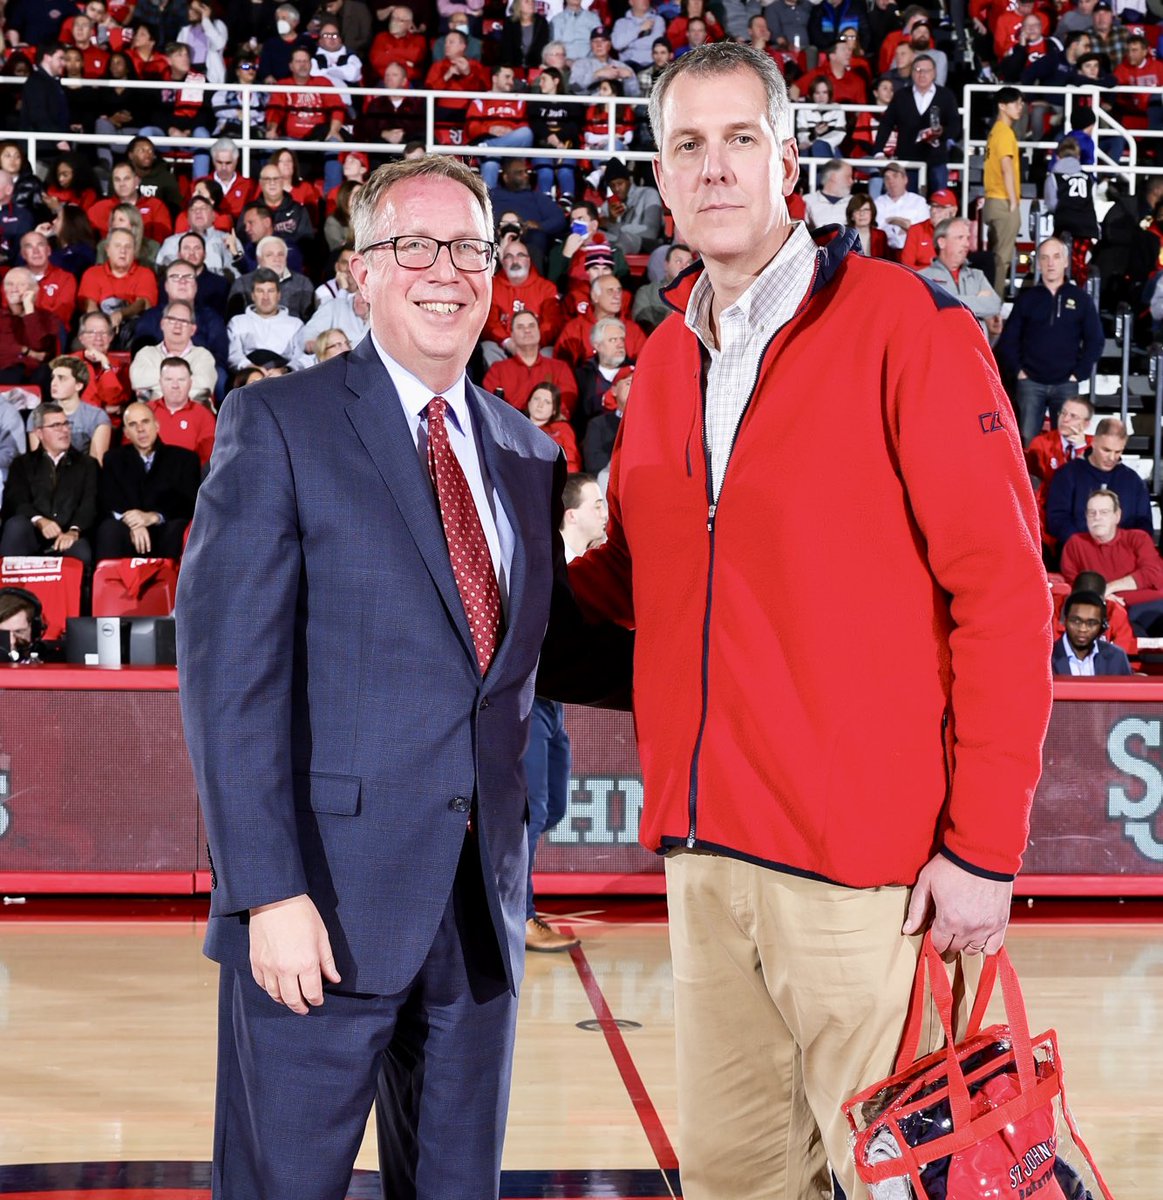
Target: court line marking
[664, 1153]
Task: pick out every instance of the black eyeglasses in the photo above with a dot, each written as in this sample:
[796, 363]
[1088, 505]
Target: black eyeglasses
[416, 253]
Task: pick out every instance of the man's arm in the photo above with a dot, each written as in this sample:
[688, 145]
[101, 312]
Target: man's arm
[976, 514]
[237, 606]
[1060, 501]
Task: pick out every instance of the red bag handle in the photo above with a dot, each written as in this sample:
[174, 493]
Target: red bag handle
[932, 966]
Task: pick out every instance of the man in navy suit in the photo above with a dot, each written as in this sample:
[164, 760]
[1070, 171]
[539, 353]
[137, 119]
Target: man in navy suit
[356, 688]
[1082, 650]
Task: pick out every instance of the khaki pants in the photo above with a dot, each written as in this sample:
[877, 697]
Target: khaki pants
[790, 996]
[1003, 227]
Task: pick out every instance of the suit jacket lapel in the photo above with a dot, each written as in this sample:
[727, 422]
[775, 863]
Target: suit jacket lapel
[504, 466]
[381, 426]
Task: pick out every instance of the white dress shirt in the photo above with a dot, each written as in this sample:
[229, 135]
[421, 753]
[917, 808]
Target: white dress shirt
[414, 399]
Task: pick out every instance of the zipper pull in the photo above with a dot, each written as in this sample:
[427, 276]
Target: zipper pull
[711, 517]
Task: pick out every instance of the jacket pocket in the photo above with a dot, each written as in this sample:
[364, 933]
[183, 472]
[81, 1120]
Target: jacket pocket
[338, 794]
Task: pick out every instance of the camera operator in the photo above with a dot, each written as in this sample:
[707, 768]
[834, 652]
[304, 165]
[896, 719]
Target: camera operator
[21, 625]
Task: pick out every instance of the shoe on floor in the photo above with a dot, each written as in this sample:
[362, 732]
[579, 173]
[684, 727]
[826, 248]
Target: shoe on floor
[541, 937]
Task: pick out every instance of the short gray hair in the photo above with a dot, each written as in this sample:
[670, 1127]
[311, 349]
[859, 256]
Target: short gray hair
[599, 330]
[724, 58]
[943, 227]
[367, 209]
[225, 145]
[42, 411]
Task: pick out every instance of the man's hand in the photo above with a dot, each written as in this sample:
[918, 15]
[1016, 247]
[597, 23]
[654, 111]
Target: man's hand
[289, 949]
[48, 529]
[969, 913]
[139, 536]
[136, 518]
[64, 541]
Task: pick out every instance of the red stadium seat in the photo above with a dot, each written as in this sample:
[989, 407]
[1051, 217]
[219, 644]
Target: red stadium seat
[135, 587]
[54, 581]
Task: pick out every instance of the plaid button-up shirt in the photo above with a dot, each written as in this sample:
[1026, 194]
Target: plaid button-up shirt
[745, 328]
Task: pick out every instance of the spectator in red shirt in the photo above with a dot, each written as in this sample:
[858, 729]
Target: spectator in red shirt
[143, 53]
[95, 58]
[120, 286]
[848, 85]
[498, 120]
[28, 336]
[573, 343]
[107, 387]
[1051, 450]
[400, 43]
[57, 289]
[180, 421]
[237, 190]
[1125, 558]
[305, 114]
[515, 378]
[1140, 69]
[919, 251]
[544, 410]
[126, 185]
[518, 289]
[457, 73]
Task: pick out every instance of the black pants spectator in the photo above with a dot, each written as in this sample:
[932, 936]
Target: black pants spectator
[113, 540]
[20, 536]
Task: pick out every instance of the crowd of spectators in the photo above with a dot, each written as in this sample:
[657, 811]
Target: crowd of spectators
[142, 282]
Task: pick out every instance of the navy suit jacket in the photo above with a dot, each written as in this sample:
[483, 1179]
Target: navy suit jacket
[333, 707]
[1112, 660]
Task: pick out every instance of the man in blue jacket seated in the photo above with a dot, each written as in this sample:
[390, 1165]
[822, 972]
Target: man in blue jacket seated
[1053, 339]
[1101, 468]
[1082, 649]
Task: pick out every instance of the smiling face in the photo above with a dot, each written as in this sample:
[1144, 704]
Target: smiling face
[723, 170]
[426, 318]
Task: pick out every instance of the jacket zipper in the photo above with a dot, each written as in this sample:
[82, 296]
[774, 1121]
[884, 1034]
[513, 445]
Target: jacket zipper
[712, 508]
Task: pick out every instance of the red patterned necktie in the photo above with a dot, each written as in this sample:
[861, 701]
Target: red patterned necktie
[472, 564]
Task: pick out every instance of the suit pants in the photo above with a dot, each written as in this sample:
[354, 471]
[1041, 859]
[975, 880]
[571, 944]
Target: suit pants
[295, 1092]
[1003, 223]
[20, 536]
[547, 773]
[790, 995]
[113, 540]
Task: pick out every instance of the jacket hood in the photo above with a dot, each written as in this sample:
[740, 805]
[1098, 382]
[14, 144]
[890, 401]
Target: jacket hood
[1067, 166]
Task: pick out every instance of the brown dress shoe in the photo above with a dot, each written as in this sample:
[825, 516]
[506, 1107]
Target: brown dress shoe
[542, 938]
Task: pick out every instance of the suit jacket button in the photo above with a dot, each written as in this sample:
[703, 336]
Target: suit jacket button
[484, 703]
[460, 804]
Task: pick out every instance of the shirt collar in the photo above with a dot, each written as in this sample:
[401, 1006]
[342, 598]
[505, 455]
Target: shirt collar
[415, 395]
[1080, 657]
[795, 259]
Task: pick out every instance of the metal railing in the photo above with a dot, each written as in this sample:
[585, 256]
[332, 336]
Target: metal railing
[251, 143]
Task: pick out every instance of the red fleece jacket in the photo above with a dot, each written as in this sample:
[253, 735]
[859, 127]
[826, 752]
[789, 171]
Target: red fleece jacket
[902, 711]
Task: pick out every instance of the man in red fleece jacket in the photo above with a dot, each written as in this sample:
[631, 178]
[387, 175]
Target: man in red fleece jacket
[822, 790]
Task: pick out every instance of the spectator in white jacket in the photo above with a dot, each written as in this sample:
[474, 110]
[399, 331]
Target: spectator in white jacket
[206, 36]
[266, 333]
[336, 62]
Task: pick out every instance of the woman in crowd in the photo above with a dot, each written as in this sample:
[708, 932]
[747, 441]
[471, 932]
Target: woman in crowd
[861, 216]
[821, 126]
[227, 105]
[126, 216]
[525, 35]
[337, 227]
[74, 240]
[303, 190]
[122, 110]
[543, 408]
[555, 127]
[71, 181]
[676, 30]
[330, 343]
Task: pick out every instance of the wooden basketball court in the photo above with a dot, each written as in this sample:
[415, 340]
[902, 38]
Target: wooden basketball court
[107, 1050]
